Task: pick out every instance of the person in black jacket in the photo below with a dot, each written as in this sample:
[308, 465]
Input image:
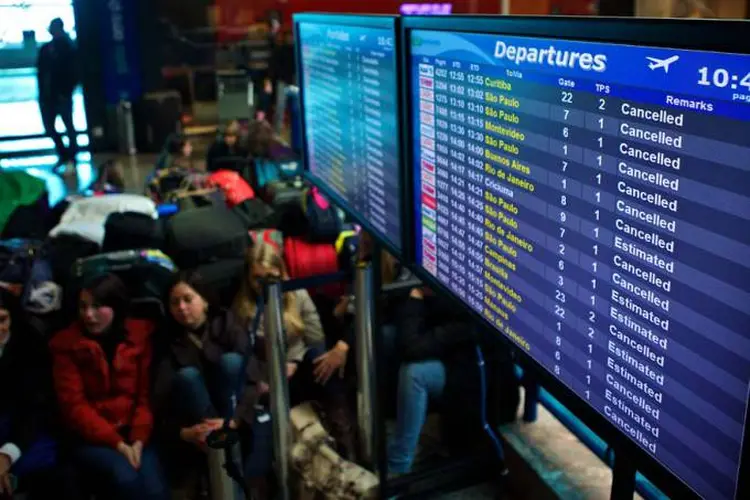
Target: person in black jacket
[438, 362]
[28, 454]
[227, 147]
[57, 78]
[206, 355]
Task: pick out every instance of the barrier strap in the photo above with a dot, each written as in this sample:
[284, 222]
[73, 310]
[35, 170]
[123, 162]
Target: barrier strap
[315, 281]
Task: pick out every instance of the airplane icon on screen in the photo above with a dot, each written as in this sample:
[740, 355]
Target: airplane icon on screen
[662, 63]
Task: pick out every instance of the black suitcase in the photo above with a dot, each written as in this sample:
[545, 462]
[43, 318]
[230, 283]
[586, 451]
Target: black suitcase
[224, 278]
[204, 235]
[130, 231]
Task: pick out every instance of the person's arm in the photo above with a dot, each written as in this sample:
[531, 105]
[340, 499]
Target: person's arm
[77, 412]
[416, 342]
[143, 418]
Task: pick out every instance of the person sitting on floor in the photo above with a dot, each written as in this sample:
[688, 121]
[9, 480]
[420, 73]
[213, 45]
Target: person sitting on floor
[227, 147]
[206, 355]
[101, 367]
[173, 167]
[111, 179]
[305, 341]
[28, 452]
[437, 354]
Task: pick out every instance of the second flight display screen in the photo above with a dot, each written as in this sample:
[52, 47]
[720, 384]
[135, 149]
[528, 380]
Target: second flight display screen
[589, 201]
[350, 113]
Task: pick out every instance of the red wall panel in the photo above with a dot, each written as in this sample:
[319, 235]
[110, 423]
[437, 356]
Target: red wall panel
[242, 12]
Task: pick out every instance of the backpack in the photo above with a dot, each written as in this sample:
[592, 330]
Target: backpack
[26, 274]
[147, 273]
[324, 224]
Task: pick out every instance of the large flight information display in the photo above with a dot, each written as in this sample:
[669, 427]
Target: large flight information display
[350, 112]
[589, 200]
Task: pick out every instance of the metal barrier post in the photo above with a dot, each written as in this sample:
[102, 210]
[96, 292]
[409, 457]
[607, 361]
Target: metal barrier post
[366, 379]
[222, 486]
[279, 388]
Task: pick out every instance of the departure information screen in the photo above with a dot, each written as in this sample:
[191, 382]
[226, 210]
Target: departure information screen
[590, 201]
[351, 124]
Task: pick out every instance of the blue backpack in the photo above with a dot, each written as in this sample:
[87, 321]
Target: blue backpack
[25, 272]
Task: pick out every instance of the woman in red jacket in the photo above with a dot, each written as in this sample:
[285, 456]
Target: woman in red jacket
[101, 367]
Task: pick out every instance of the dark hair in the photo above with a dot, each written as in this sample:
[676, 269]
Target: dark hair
[260, 138]
[109, 290]
[11, 303]
[110, 172]
[197, 282]
[175, 143]
[57, 25]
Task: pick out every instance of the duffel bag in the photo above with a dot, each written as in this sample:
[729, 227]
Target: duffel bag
[321, 469]
[147, 274]
[255, 213]
[305, 259]
[204, 235]
[26, 274]
[235, 188]
[32, 221]
[130, 231]
[86, 217]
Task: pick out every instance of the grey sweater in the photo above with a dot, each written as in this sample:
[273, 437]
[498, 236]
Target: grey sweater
[297, 346]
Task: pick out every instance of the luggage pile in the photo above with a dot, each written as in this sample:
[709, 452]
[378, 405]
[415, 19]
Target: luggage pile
[206, 226]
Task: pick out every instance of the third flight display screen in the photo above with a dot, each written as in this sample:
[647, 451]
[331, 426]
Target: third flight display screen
[590, 201]
[349, 83]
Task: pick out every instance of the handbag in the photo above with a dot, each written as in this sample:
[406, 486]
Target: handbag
[196, 192]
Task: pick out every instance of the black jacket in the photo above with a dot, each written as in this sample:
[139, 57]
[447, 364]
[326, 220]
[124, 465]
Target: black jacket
[434, 328]
[57, 73]
[221, 334]
[219, 150]
[26, 395]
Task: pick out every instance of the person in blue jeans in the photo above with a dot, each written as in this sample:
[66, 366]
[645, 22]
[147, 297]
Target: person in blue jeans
[101, 370]
[436, 351]
[206, 353]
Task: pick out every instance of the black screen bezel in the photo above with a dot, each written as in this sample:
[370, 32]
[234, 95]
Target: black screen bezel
[373, 21]
[694, 34]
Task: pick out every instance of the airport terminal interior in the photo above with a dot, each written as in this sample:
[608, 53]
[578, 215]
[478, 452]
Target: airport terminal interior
[316, 249]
